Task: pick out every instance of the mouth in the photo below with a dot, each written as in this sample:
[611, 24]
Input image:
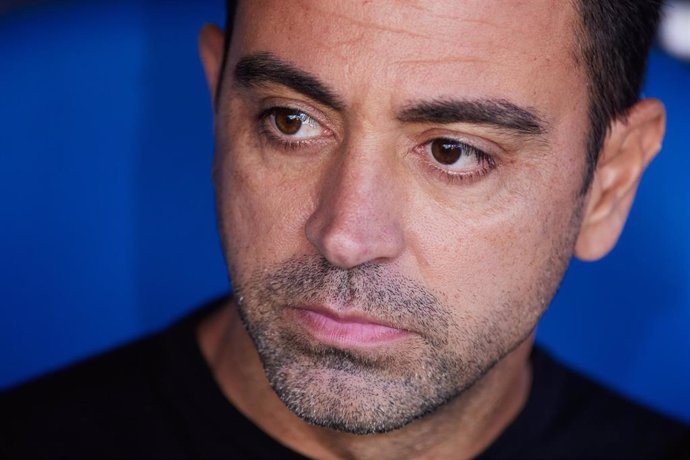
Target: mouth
[348, 331]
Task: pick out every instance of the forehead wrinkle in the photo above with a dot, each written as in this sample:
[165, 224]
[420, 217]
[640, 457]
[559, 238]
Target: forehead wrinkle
[378, 26]
[439, 61]
[446, 16]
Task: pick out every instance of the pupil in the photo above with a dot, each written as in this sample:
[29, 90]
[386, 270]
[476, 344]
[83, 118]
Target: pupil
[445, 152]
[288, 121]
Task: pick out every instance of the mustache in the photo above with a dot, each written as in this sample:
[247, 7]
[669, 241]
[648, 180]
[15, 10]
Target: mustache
[372, 289]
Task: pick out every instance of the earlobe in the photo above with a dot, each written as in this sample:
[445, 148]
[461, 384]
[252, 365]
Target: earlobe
[631, 145]
[211, 48]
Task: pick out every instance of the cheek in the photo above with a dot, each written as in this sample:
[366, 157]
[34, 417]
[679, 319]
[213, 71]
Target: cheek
[262, 214]
[506, 262]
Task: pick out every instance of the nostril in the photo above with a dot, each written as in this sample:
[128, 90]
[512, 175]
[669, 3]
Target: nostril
[344, 251]
[340, 245]
[347, 243]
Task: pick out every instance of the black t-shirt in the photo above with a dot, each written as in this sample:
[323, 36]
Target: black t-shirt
[157, 398]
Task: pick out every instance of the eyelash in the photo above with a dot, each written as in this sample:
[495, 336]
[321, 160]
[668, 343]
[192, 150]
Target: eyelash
[487, 161]
[269, 133]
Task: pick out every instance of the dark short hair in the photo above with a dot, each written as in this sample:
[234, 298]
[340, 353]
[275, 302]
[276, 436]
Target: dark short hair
[614, 41]
[614, 37]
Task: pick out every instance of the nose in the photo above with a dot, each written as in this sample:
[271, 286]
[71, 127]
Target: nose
[357, 216]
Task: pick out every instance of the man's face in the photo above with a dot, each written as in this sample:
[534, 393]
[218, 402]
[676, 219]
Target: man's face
[398, 193]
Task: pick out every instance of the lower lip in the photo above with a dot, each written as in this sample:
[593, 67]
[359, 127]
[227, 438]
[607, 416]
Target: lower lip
[347, 333]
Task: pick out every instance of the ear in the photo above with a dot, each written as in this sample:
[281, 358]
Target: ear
[630, 146]
[211, 48]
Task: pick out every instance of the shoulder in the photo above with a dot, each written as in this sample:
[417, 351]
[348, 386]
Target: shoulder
[154, 398]
[96, 407]
[588, 420]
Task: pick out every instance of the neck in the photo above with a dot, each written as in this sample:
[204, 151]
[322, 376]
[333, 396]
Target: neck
[463, 428]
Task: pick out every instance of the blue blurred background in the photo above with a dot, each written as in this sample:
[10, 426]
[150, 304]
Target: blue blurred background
[107, 226]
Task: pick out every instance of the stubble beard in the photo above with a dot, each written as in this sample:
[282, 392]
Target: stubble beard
[353, 392]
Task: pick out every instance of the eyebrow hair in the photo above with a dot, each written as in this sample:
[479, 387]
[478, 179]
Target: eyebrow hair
[262, 68]
[265, 68]
[500, 113]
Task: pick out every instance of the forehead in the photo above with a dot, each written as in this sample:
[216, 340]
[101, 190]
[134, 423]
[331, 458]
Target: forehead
[519, 50]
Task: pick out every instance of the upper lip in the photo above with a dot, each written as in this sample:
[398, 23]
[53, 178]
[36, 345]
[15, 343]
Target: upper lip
[354, 316]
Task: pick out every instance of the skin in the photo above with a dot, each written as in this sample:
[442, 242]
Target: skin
[365, 197]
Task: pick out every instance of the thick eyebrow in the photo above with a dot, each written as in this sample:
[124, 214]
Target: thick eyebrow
[499, 113]
[262, 68]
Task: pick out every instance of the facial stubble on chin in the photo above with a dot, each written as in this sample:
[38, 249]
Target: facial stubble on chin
[351, 392]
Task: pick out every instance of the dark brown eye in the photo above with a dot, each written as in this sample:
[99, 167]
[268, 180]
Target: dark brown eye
[446, 151]
[288, 121]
